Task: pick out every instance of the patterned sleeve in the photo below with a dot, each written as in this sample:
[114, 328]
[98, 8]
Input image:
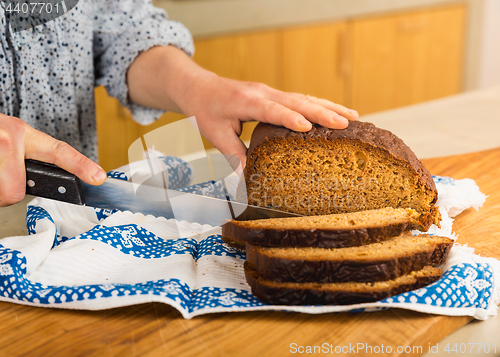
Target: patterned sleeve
[122, 30]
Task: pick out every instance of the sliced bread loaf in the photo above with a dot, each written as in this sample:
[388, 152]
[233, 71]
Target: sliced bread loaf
[279, 293]
[329, 231]
[386, 260]
[325, 171]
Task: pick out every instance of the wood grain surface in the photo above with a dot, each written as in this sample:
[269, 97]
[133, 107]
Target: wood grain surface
[158, 330]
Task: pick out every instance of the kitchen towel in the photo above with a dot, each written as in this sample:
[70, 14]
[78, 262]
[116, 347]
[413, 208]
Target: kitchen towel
[78, 257]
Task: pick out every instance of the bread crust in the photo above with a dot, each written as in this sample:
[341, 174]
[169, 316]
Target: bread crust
[349, 270]
[359, 132]
[237, 235]
[281, 294]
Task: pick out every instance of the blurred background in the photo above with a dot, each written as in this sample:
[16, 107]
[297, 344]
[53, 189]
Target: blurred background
[367, 55]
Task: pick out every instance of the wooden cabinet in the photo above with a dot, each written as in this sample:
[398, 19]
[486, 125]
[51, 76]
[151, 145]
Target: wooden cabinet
[373, 43]
[406, 58]
[368, 64]
[314, 60]
[247, 57]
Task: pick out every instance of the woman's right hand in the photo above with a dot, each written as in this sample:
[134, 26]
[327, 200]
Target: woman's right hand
[19, 141]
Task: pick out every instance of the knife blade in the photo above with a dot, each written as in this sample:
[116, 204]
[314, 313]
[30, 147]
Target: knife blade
[50, 181]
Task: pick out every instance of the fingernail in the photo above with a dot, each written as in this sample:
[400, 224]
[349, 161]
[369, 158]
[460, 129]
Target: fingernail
[99, 175]
[304, 124]
[354, 114]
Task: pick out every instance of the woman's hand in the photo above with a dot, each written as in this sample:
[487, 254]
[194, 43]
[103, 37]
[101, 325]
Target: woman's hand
[166, 78]
[19, 141]
[221, 105]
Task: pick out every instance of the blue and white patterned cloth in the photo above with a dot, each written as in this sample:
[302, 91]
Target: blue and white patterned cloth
[86, 258]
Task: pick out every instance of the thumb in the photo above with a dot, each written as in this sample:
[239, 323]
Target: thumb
[43, 147]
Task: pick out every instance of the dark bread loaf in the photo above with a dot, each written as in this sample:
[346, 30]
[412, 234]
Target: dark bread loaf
[386, 260]
[278, 293]
[325, 171]
[330, 231]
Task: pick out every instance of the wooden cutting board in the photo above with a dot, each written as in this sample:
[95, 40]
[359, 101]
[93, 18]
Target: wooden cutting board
[158, 330]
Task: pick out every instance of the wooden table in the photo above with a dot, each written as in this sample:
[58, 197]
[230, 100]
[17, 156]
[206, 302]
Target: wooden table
[158, 330]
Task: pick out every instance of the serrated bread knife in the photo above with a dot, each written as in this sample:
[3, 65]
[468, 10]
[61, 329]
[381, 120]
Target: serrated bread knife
[50, 181]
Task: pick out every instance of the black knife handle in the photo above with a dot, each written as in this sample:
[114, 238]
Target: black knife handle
[50, 181]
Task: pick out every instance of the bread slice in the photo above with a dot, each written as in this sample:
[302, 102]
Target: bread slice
[327, 171]
[386, 260]
[276, 293]
[330, 231]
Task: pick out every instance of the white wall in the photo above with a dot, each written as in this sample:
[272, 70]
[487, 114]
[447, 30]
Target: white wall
[489, 55]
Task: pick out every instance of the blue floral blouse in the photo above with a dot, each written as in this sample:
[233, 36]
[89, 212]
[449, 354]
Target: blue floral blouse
[48, 75]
